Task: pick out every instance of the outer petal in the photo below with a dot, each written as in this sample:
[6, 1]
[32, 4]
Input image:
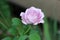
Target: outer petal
[41, 21]
[31, 9]
[24, 22]
[23, 17]
[35, 23]
[41, 13]
[22, 13]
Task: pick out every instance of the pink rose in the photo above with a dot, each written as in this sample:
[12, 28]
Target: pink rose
[33, 16]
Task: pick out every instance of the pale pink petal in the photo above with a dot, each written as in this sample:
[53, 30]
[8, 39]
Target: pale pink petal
[24, 22]
[41, 13]
[35, 23]
[41, 21]
[22, 13]
[31, 9]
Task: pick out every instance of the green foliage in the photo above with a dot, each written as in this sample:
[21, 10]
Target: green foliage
[5, 15]
[34, 35]
[7, 38]
[12, 31]
[17, 24]
[23, 37]
[15, 38]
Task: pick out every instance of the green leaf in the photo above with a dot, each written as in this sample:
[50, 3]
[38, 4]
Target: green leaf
[17, 24]
[12, 31]
[6, 38]
[24, 37]
[34, 35]
[15, 38]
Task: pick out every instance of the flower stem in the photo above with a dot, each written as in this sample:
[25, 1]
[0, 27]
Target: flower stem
[28, 29]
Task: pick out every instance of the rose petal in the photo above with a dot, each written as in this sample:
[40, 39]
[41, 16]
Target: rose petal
[24, 22]
[41, 21]
[22, 13]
